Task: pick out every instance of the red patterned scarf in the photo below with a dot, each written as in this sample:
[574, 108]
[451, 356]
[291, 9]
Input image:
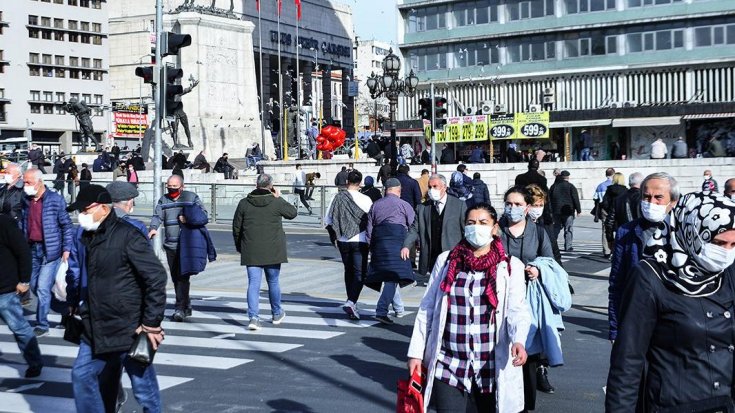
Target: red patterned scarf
[462, 258]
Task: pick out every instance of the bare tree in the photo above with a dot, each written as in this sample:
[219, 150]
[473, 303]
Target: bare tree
[369, 108]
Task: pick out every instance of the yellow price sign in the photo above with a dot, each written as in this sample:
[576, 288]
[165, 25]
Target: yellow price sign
[441, 136]
[468, 131]
[481, 129]
[453, 132]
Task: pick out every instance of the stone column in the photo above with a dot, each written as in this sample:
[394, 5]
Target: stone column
[348, 110]
[327, 92]
[306, 81]
[267, 91]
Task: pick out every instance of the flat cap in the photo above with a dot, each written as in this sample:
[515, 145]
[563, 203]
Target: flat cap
[564, 173]
[392, 183]
[122, 191]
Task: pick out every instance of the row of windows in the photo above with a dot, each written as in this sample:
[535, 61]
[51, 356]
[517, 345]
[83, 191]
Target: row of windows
[37, 108]
[61, 97]
[72, 37]
[575, 45]
[469, 13]
[59, 24]
[95, 4]
[61, 73]
[58, 60]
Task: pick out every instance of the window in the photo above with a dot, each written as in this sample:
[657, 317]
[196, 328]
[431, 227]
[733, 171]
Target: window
[98, 99]
[97, 27]
[96, 4]
[60, 110]
[85, 38]
[97, 75]
[640, 3]
[34, 71]
[48, 109]
[74, 38]
[87, 98]
[429, 58]
[33, 20]
[611, 45]
[35, 108]
[97, 63]
[74, 96]
[84, 3]
[97, 40]
[85, 62]
[59, 23]
[73, 25]
[46, 21]
[58, 1]
[531, 50]
[658, 40]
[714, 35]
[531, 9]
[48, 96]
[33, 33]
[59, 60]
[46, 34]
[475, 12]
[74, 74]
[35, 95]
[72, 2]
[60, 97]
[60, 72]
[33, 58]
[475, 54]
[46, 59]
[59, 36]
[86, 75]
[427, 18]
[47, 72]
[73, 61]
[84, 26]
[586, 6]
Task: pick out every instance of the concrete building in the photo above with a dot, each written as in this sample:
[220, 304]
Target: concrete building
[369, 60]
[326, 51]
[628, 71]
[51, 51]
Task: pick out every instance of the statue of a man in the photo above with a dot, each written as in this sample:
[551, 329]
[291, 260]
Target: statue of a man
[180, 115]
[190, 3]
[81, 111]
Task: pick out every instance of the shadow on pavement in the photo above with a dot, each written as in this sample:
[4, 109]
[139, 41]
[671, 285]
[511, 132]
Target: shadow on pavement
[599, 327]
[384, 374]
[288, 406]
[394, 348]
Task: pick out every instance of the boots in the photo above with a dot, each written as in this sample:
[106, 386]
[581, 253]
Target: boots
[542, 380]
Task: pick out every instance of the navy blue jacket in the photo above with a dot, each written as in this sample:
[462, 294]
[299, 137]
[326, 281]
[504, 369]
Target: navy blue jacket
[410, 190]
[627, 254]
[195, 244]
[57, 227]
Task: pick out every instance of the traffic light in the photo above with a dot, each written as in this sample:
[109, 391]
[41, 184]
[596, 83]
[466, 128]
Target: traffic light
[172, 42]
[425, 108]
[169, 75]
[146, 72]
[440, 111]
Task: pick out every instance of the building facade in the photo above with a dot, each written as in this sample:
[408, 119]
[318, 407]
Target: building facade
[628, 71]
[369, 60]
[52, 51]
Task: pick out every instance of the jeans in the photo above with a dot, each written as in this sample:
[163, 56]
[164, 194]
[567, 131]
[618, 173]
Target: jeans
[12, 314]
[255, 276]
[586, 154]
[181, 282]
[43, 275]
[566, 222]
[389, 295]
[96, 380]
[450, 399]
[252, 160]
[354, 259]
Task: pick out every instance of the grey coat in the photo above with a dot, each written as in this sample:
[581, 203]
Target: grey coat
[452, 229]
[167, 213]
[526, 247]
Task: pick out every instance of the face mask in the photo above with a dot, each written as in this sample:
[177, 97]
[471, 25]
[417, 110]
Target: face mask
[86, 221]
[478, 235]
[535, 212]
[435, 194]
[653, 212]
[716, 258]
[9, 179]
[30, 190]
[706, 177]
[174, 192]
[514, 214]
[732, 196]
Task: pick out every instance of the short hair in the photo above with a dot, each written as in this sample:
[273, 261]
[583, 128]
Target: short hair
[618, 178]
[461, 167]
[635, 179]
[176, 177]
[673, 184]
[354, 177]
[318, 175]
[404, 169]
[264, 181]
[533, 164]
[519, 190]
[298, 165]
[610, 172]
[727, 183]
[424, 172]
[439, 177]
[15, 166]
[537, 193]
[476, 175]
[36, 173]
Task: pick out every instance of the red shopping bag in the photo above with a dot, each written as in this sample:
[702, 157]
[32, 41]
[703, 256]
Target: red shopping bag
[410, 396]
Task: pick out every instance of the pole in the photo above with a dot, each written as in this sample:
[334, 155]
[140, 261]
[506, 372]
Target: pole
[262, 91]
[140, 111]
[298, 87]
[393, 136]
[157, 148]
[433, 133]
[285, 135]
[281, 106]
[356, 139]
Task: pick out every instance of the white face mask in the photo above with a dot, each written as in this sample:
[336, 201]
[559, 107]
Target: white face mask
[435, 194]
[30, 190]
[535, 212]
[86, 221]
[478, 235]
[653, 212]
[8, 179]
[706, 177]
[716, 258]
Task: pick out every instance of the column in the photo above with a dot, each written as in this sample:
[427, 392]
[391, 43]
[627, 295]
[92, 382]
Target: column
[306, 81]
[348, 110]
[327, 93]
[267, 91]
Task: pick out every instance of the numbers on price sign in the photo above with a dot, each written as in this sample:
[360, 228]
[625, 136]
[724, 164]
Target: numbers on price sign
[468, 131]
[453, 133]
[533, 130]
[480, 131]
[501, 131]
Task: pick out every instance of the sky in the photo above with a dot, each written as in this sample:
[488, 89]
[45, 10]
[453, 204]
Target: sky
[374, 19]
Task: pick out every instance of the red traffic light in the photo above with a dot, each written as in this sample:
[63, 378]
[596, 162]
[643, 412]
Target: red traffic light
[439, 102]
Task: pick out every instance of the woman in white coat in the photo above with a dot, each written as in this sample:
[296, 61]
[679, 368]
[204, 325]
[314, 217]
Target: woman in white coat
[472, 324]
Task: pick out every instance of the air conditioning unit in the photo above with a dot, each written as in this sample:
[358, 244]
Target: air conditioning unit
[500, 108]
[472, 110]
[630, 104]
[534, 108]
[549, 100]
[548, 91]
[487, 106]
[616, 104]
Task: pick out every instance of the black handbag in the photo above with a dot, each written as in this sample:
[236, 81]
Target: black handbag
[73, 329]
[142, 349]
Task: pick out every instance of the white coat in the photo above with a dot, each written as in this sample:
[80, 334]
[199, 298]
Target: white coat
[513, 319]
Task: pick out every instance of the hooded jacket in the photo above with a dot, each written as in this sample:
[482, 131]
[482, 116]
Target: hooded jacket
[257, 228]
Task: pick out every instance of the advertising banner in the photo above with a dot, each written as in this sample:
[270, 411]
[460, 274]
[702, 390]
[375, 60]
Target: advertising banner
[533, 125]
[503, 126]
[130, 120]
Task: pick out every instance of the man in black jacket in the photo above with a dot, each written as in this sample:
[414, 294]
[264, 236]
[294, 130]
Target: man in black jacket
[112, 262]
[373, 151]
[624, 208]
[532, 176]
[15, 274]
[11, 193]
[410, 191]
[564, 205]
[35, 155]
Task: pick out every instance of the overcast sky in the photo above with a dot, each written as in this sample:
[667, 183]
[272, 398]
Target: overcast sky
[374, 19]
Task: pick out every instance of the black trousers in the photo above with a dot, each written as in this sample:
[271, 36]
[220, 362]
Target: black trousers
[302, 197]
[448, 399]
[530, 385]
[181, 283]
[355, 260]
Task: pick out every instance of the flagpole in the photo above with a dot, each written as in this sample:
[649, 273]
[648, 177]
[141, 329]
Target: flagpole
[262, 91]
[281, 106]
[298, 82]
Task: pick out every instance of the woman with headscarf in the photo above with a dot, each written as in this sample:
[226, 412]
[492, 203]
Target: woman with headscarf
[370, 190]
[472, 323]
[676, 316]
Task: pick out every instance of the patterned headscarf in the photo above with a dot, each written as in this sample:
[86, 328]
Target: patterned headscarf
[696, 219]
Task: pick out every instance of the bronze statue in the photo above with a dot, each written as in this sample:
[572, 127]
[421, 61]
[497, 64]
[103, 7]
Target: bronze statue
[190, 4]
[81, 111]
[180, 116]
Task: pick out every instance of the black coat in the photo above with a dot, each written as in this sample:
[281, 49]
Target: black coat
[686, 343]
[11, 200]
[564, 198]
[625, 208]
[372, 192]
[532, 177]
[126, 284]
[611, 194]
[15, 254]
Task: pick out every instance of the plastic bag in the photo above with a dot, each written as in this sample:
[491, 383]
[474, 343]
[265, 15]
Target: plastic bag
[59, 287]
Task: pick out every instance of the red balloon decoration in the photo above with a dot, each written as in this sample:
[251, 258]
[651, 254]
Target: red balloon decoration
[330, 138]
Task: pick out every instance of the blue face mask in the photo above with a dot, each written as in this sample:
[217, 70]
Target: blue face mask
[514, 214]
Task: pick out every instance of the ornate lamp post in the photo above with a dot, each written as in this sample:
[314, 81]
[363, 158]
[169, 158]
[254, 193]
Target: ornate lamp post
[392, 86]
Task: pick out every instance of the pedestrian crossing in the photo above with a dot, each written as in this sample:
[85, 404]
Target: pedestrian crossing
[581, 249]
[214, 338]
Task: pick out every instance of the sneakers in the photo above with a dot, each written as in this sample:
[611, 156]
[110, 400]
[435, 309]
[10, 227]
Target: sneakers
[542, 378]
[187, 312]
[178, 316]
[384, 319]
[277, 319]
[351, 310]
[33, 371]
[254, 324]
[39, 332]
[399, 314]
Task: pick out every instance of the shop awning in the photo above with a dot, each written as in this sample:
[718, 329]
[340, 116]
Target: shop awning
[659, 121]
[408, 133]
[710, 116]
[579, 123]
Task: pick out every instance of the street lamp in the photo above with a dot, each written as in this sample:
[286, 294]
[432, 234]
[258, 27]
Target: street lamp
[392, 86]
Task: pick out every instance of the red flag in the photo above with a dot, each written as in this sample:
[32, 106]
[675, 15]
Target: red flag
[298, 9]
[257, 5]
[280, 5]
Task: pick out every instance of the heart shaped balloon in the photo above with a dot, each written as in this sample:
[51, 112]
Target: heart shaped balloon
[330, 138]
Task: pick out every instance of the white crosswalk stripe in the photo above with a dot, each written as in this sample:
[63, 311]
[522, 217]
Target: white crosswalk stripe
[214, 338]
[581, 250]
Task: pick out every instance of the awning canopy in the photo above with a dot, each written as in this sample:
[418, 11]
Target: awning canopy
[659, 121]
[710, 116]
[579, 123]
